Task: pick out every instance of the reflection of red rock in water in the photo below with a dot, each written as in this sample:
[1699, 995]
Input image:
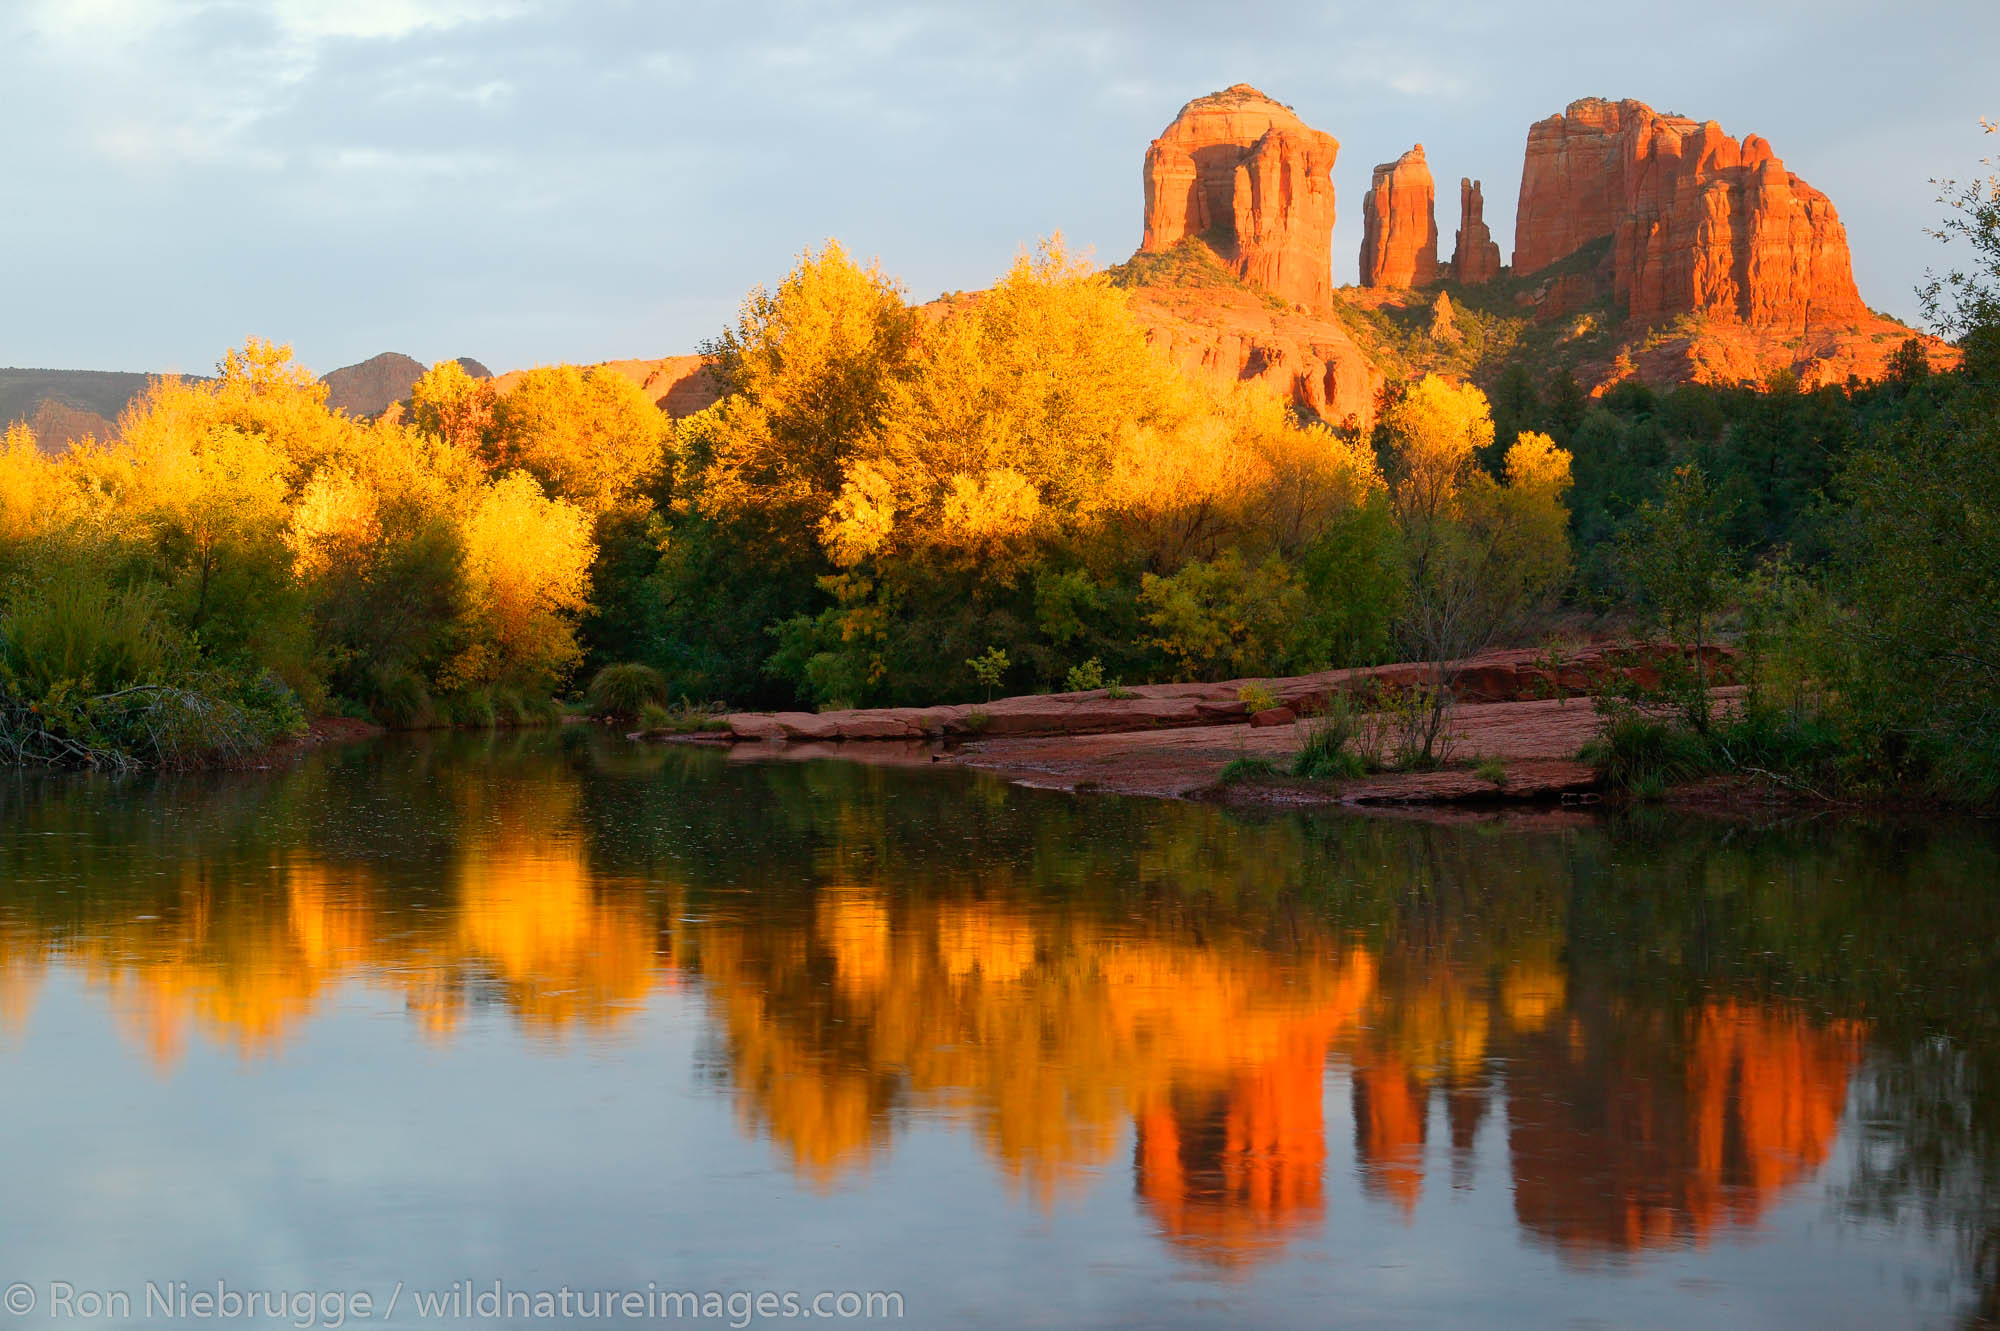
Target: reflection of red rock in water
[1390, 1107]
[1231, 1175]
[1651, 1147]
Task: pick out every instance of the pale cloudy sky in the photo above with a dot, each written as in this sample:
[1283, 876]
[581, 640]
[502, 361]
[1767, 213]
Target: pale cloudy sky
[535, 180]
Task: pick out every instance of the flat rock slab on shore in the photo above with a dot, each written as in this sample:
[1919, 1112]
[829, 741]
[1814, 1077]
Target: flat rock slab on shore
[1495, 677]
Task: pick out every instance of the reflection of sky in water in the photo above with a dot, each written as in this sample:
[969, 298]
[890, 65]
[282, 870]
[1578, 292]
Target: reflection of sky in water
[559, 1042]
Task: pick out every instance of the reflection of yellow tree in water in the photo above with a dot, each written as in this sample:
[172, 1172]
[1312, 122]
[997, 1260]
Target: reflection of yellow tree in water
[566, 952]
[23, 964]
[1048, 1004]
[1048, 1034]
[247, 958]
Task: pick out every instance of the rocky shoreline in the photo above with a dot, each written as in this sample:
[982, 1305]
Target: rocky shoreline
[1518, 709]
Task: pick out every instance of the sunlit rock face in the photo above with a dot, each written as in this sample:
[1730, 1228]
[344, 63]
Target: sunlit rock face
[1242, 177]
[1233, 337]
[1399, 239]
[1474, 258]
[1701, 223]
[1246, 175]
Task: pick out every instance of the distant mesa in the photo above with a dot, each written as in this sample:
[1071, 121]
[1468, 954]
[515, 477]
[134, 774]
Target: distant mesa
[1475, 258]
[1248, 177]
[1399, 238]
[374, 385]
[62, 406]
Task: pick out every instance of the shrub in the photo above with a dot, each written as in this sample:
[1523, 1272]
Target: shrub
[472, 709]
[398, 699]
[508, 709]
[1255, 698]
[622, 690]
[94, 675]
[1084, 678]
[1644, 755]
[990, 669]
[540, 710]
[1492, 771]
[655, 718]
[1417, 720]
[76, 628]
[1330, 752]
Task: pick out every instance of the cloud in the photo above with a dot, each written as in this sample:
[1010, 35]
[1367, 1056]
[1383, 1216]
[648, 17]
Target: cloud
[529, 180]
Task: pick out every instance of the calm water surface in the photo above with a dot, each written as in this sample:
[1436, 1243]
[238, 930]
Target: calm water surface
[558, 1011]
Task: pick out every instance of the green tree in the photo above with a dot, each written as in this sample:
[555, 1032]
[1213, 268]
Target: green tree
[1678, 564]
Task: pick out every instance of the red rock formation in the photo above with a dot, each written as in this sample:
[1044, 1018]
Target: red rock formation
[1474, 256]
[1246, 175]
[1399, 240]
[1229, 335]
[57, 425]
[1700, 223]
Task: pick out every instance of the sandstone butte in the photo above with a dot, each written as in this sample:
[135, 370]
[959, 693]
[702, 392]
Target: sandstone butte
[1701, 224]
[1699, 221]
[1475, 258]
[1399, 239]
[1246, 175]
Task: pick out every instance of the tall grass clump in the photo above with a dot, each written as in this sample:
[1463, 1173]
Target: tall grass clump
[1330, 752]
[622, 690]
[509, 711]
[1644, 755]
[471, 709]
[398, 699]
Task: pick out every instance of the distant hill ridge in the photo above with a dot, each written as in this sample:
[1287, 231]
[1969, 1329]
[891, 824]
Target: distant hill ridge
[62, 406]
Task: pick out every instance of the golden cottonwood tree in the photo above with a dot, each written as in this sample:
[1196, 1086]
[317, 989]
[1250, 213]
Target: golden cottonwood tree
[588, 435]
[527, 564]
[806, 372]
[1481, 555]
[447, 403]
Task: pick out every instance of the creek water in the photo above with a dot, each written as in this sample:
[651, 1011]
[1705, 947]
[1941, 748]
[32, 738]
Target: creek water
[497, 1018]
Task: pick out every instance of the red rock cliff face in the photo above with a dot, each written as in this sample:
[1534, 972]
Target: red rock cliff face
[1474, 258]
[1700, 222]
[1399, 241]
[1244, 173]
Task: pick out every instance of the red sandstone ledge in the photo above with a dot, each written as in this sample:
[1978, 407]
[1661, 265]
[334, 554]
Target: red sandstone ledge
[1494, 677]
[1173, 740]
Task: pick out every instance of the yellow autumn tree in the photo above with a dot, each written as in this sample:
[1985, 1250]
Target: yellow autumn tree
[527, 566]
[806, 372]
[376, 544]
[447, 403]
[31, 488]
[590, 436]
[1481, 554]
[1437, 429]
